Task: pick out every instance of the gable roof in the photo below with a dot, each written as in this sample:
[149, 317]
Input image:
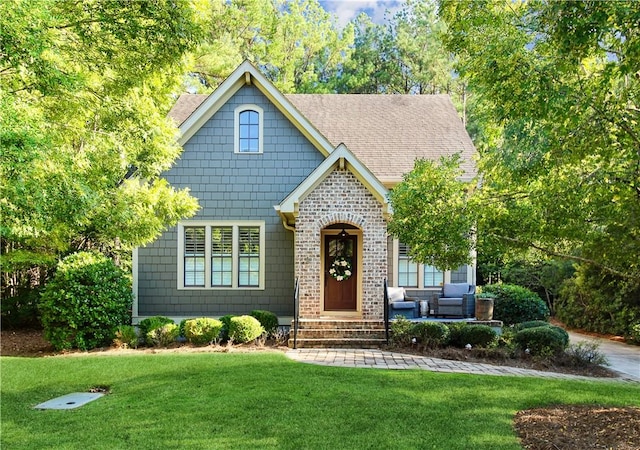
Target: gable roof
[195, 112]
[340, 157]
[388, 133]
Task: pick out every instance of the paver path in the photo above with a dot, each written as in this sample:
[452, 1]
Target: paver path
[379, 359]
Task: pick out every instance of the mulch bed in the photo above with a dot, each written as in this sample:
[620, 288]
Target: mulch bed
[579, 427]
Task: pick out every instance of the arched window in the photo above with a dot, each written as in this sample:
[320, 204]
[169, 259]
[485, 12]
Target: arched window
[248, 135]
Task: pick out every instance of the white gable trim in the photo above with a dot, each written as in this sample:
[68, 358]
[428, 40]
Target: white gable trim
[341, 157]
[246, 73]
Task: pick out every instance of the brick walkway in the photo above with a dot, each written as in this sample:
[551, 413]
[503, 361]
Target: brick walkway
[378, 359]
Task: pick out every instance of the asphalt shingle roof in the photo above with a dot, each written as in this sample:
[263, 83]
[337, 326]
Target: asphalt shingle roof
[386, 132]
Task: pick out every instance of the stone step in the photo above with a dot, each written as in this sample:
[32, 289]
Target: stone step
[340, 333]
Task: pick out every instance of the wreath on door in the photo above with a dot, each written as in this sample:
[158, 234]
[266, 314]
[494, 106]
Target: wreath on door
[340, 268]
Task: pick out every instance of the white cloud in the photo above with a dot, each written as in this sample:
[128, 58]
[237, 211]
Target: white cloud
[347, 10]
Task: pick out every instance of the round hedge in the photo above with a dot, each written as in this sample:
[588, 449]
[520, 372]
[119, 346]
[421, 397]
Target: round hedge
[431, 334]
[515, 304]
[543, 341]
[85, 301]
[202, 331]
[267, 319]
[146, 326]
[462, 334]
[244, 329]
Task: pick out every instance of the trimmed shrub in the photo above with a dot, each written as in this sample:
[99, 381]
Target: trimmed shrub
[151, 323]
[462, 334]
[126, 337]
[226, 321]
[267, 319]
[480, 335]
[181, 326]
[202, 331]
[430, 334]
[531, 324]
[541, 341]
[457, 334]
[87, 298]
[515, 304]
[163, 335]
[401, 331]
[244, 329]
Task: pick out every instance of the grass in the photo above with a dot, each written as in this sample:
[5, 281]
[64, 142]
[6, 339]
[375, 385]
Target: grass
[264, 401]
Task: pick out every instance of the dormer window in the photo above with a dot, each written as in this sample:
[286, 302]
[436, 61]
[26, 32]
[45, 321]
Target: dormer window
[248, 129]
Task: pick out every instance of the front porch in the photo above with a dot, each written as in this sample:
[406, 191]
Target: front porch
[348, 333]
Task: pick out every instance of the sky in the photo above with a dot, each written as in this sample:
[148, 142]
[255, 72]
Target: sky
[347, 10]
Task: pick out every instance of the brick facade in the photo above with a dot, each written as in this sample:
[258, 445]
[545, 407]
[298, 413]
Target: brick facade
[341, 198]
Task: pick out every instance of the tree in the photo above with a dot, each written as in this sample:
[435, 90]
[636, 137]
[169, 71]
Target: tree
[84, 92]
[296, 44]
[557, 89]
[432, 213]
[405, 56]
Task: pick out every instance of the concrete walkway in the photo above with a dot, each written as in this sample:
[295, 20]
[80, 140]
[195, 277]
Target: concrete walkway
[623, 358]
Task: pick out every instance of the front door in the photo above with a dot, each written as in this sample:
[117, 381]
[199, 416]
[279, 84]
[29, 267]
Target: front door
[340, 272]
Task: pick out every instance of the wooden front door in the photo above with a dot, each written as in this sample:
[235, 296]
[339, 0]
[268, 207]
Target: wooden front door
[340, 294]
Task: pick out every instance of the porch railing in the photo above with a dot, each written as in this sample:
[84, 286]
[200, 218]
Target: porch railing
[385, 308]
[296, 313]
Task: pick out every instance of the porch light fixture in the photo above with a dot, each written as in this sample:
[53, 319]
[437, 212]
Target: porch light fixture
[343, 234]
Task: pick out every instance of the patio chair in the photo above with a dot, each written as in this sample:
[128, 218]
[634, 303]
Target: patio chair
[401, 305]
[455, 299]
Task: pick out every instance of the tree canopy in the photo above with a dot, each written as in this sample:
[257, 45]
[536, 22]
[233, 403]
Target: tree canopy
[84, 92]
[296, 44]
[557, 86]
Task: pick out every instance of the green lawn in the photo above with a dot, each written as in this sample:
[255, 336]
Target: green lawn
[264, 400]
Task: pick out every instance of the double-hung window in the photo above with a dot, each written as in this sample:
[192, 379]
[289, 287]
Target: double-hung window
[248, 129]
[413, 275]
[221, 255]
[407, 269]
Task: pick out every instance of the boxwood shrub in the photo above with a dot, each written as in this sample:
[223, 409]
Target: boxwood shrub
[244, 329]
[150, 324]
[85, 301]
[267, 319]
[202, 331]
[515, 304]
[542, 341]
[430, 334]
[531, 324]
[462, 334]
[163, 335]
[226, 321]
[401, 331]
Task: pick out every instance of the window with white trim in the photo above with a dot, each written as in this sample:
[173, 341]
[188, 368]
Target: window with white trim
[221, 255]
[413, 275]
[194, 254]
[407, 269]
[248, 129]
[432, 276]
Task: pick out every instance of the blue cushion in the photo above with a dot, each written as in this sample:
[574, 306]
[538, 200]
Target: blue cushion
[455, 289]
[403, 305]
[449, 301]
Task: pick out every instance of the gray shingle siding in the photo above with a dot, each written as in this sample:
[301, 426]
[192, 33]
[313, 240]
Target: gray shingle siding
[232, 186]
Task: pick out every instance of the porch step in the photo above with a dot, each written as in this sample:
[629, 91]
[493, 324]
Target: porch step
[332, 333]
